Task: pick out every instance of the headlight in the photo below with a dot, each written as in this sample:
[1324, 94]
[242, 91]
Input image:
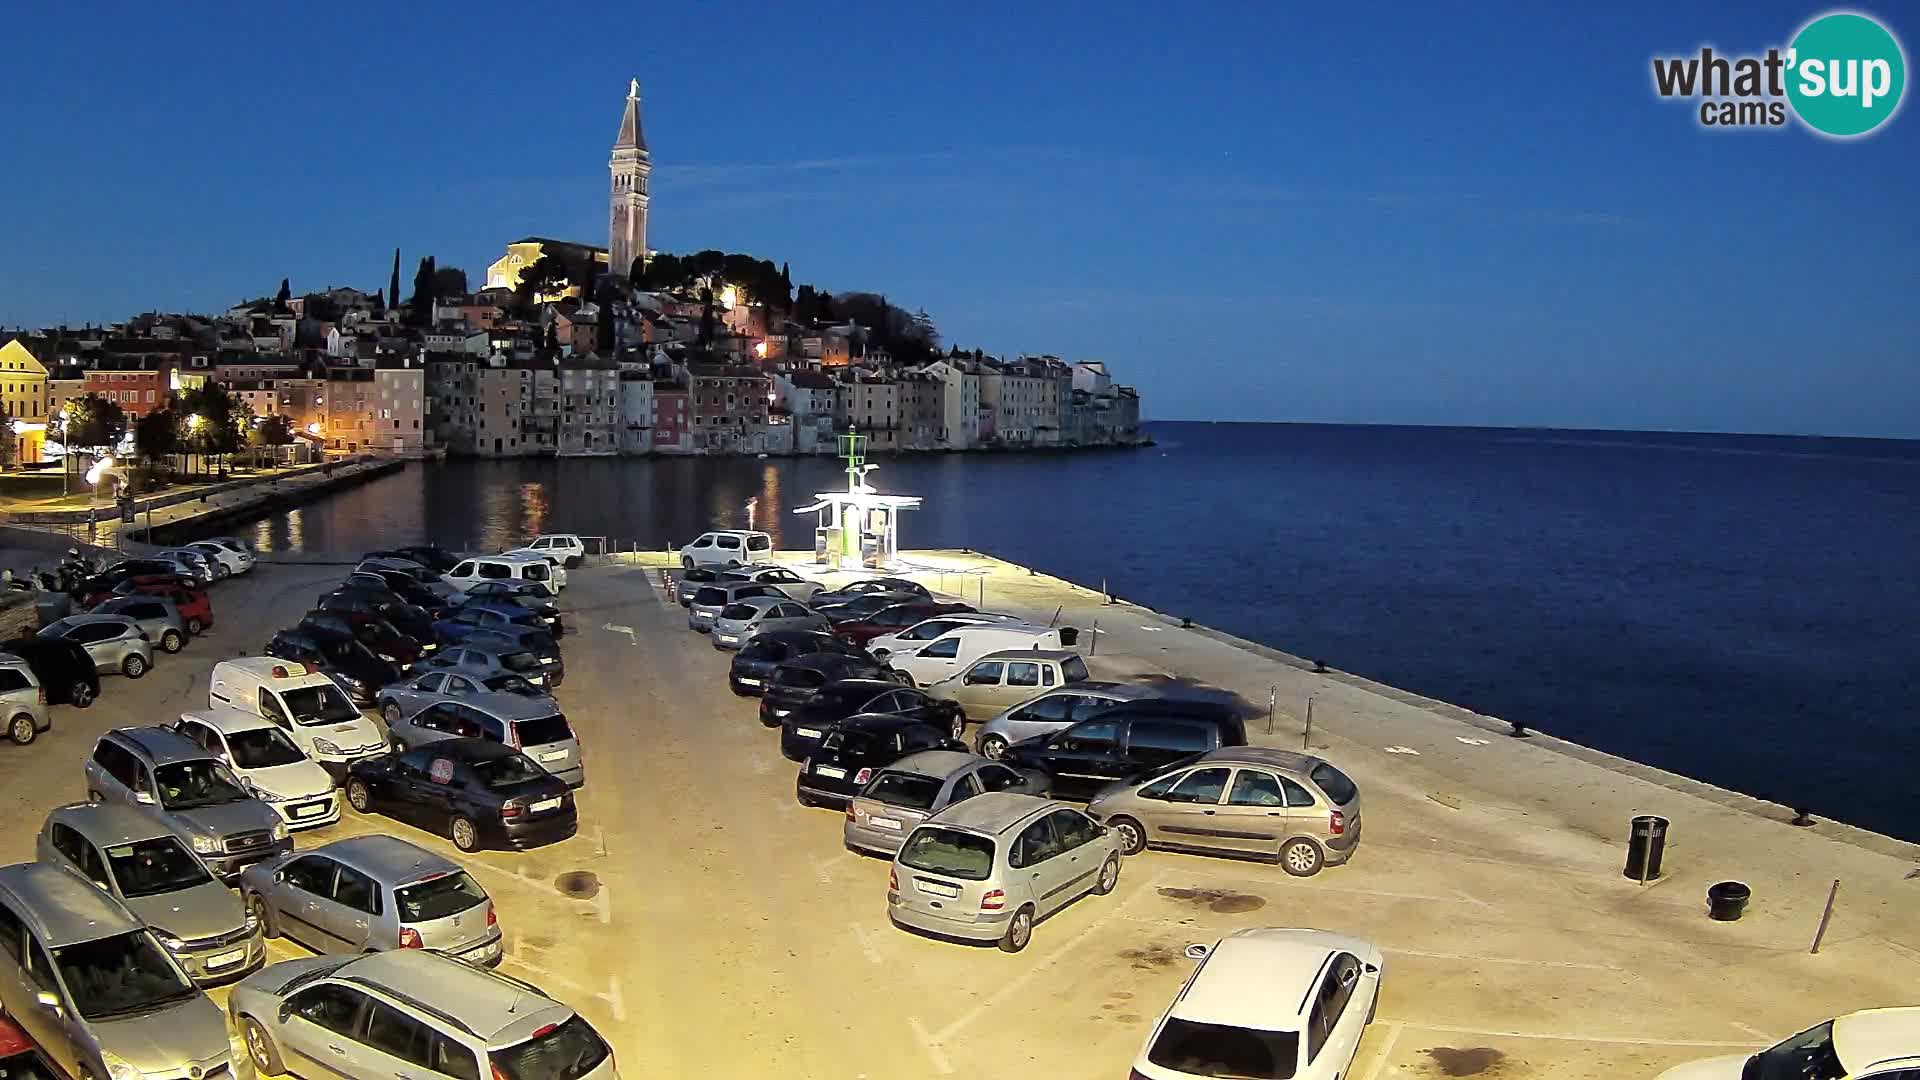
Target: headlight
[325, 746]
[206, 845]
[253, 921]
[268, 796]
[119, 1068]
[279, 830]
[172, 943]
[388, 659]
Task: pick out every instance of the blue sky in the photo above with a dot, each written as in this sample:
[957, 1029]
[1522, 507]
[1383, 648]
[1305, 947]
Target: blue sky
[1381, 214]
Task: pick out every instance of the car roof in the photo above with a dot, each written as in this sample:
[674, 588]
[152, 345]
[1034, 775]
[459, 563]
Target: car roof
[1291, 760]
[790, 636]
[878, 686]
[10, 658]
[733, 532]
[993, 812]
[78, 620]
[60, 907]
[761, 602]
[228, 720]
[824, 662]
[1875, 1035]
[1030, 629]
[939, 764]
[1261, 978]
[472, 750]
[878, 721]
[1057, 655]
[161, 746]
[261, 667]
[485, 1002]
[386, 858]
[107, 824]
[508, 706]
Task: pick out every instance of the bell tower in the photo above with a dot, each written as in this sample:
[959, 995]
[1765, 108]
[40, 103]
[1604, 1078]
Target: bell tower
[627, 194]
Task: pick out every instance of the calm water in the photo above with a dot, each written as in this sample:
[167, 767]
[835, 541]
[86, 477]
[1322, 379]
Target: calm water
[1743, 609]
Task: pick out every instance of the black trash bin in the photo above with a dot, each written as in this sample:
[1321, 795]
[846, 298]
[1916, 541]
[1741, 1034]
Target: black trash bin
[1645, 845]
[1727, 901]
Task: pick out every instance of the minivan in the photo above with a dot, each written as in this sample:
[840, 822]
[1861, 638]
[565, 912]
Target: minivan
[502, 568]
[1128, 740]
[1000, 680]
[23, 704]
[310, 707]
[533, 726]
[957, 649]
[727, 547]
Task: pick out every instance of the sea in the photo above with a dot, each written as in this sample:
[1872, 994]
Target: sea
[1742, 609]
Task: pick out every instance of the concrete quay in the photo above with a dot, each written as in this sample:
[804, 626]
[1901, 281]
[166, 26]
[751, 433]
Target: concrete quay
[724, 930]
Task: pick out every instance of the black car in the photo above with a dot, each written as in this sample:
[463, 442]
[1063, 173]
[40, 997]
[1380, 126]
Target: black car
[875, 585]
[403, 586]
[754, 662]
[377, 634]
[405, 617]
[358, 671]
[802, 729]
[1128, 740]
[859, 746]
[476, 791]
[63, 667]
[105, 580]
[854, 609]
[795, 681]
[433, 557]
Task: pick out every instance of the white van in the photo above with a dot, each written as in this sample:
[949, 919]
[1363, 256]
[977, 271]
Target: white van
[952, 651]
[310, 707]
[727, 547]
[507, 567]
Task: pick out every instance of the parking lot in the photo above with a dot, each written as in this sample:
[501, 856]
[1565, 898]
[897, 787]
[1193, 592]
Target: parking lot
[711, 926]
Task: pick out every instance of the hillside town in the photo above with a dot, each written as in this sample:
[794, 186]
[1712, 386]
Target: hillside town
[573, 350]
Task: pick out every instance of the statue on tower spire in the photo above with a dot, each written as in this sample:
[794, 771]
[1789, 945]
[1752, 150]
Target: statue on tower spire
[633, 90]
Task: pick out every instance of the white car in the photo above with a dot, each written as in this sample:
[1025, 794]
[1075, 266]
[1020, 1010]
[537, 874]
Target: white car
[1876, 1044]
[727, 547]
[193, 564]
[554, 559]
[927, 629]
[228, 557]
[566, 545]
[955, 650]
[795, 586]
[1267, 1002]
[267, 762]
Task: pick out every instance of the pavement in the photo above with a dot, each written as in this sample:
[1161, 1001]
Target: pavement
[724, 930]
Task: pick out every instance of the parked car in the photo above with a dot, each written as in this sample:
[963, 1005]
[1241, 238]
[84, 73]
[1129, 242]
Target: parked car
[926, 630]
[1131, 739]
[795, 586]
[192, 601]
[794, 681]
[526, 674]
[226, 557]
[86, 596]
[1873, 1044]
[918, 786]
[533, 726]
[483, 615]
[556, 562]
[1001, 680]
[727, 547]
[201, 567]
[990, 867]
[566, 546]
[743, 619]
[373, 576]
[474, 791]
[142, 864]
[103, 582]
[23, 703]
[1256, 802]
[893, 585]
[1051, 711]
[846, 609]
[856, 748]
[111, 968]
[113, 642]
[407, 698]
[809, 721]
[690, 581]
[507, 567]
[409, 573]
[380, 637]
[156, 616]
[63, 668]
[373, 893]
[430, 556]
[532, 595]
[895, 617]
[191, 792]
[409, 619]
[753, 663]
[310, 707]
[957, 649]
[267, 761]
[505, 640]
[708, 602]
[1268, 1002]
[344, 660]
[21, 1058]
[300, 1017]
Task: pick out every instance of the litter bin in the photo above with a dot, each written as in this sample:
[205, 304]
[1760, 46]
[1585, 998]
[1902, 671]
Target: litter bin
[1645, 845]
[1727, 901]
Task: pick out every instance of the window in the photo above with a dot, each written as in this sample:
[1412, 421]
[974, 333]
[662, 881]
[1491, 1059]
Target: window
[1255, 789]
[432, 683]
[11, 932]
[13, 679]
[1172, 738]
[1072, 828]
[357, 891]
[1023, 673]
[331, 1006]
[1334, 783]
[1036, 844]
[1199, 786]
[1342, 974]
[986, 673]
[495, 571]
[1046, 676]
[1093, 736]
[946, 648]
[312, 874]
[393, 1032]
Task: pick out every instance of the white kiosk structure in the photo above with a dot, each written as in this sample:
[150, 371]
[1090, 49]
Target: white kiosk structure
[859, 528]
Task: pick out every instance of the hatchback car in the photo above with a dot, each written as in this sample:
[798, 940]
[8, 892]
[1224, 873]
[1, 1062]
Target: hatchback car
[895, 618]
[268, 763]
[1251, 801]
[534, 726]
[490, 666]
[1131, 739]
[531, 595]
[1873, 1044]
[858, 747]
[796, 680]
[506, 640]
[1268, 1002]
[918, 786]
[192, 601]
[146, 867]
[431, 556]
[379, 636]
[23, 703]
[743, 619]
[196, 561]
[708, 601]
[113, 642]
[754, 663]
[180, 785]
[228, 557]
[64, 669]
[368, 1016]
[802, 728]
[371, 893]
[894, 585]
[483, 615]
[106, 1000]
[404, 699]
[156, 616]
[990, 867]
[1052, 711]
[1001, 680]
[568, 547]
[688, 582]
[473, 791]
[410, 619]
[343, 659]
[840, 609]
[795, 586]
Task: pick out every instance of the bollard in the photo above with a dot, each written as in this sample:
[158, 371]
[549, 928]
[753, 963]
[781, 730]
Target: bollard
[1055, 621]
[1306, 737]
[1093, 638]
[1802, 817]
[1826, 916]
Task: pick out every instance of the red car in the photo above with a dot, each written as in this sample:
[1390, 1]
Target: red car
[890, 619]
[196, 607]
[20, 1059]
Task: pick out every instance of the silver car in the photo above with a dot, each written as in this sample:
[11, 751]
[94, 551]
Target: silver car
[144, 866]
[708, 601]
[795, 586]
[299, 1017]
[742, 619]
[115, 642]
[536, 727]
[177, 783]
[23, 701]
[156, 616]
[918, 786]
[688, 582]
[227, 556]
[197, 565]
[402, 700]
[1050, 712]
[114, 1004]
[988, 868]
[369, 893]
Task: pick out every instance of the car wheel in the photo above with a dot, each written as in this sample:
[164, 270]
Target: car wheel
[194, 626]
[390, 712]
[266, 1056]
[134, 666]
[957, 727]
[220, 572]
[903, 678]
[806, 799]
[764, 722]
[464, 833]
[1300, 857]
[572, 561]
[686, 562]
[21, 730]
[171, 641]
[80, 695]
[1109, 876]
[1019, 930]
[258, 905]
[993, 747]
[1133, 836]
[359, 796]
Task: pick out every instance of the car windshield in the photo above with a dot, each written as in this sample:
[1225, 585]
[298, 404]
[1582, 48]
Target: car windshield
[563, 1052]
[316, 705]
[119, 976]
[159, 865]
[539, 641]
[738, 611]
[1220, 1050]
[512, 684]
[904, 790]
[505, 772]
[535, 589]
[540, 732]
[262, 748]
[520, 661]
[1807, 1056]
[185, 785]
[949, 852]
[801, 678]
[438, 898]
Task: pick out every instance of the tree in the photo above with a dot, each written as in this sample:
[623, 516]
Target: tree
[552, 347]
[8, 445]
[604, 341]
[543, 277]
[379, 301]
[449, 281]
[393, 285]
[280, 298]
[786, 289]
[212, 419]
[420, 308]
[95, 423]
[706, 318]
[273, 430]
[156, 435]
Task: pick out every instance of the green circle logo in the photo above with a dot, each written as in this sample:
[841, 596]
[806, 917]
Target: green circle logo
[1846, 74]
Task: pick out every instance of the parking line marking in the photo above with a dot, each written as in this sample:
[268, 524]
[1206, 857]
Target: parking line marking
[1569, 1036]
[1385, 1055]
[1751, 1030]
[1462, 898]
[934, 1054]
[1497, 959]
[866, 943]
[613, 999]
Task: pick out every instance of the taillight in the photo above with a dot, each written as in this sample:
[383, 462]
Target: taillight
[510, 810]
[1336, 823]
[492, 919]
[409, 938]
[40, 694]
[850, 816]
[893, 880]
[994, 900]
[863, 776]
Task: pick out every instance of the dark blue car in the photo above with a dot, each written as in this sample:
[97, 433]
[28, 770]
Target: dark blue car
[484, 615]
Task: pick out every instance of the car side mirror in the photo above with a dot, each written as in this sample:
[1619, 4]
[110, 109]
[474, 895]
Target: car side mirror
[953, 744]
[143, 798]
[1197, 951]
[47, 999]
[279, 877]
[286, 1013]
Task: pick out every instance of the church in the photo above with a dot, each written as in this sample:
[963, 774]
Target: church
[627, 199]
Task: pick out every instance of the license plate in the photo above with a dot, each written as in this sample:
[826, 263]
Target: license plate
[728, 638]
[830, 772]
[538, 680]
[806, 732]
[936, 888]
[549, 663]
[744, 681]
[226, 959]
[310, 811]
[884, 823]
[553, 755]
[545, 804]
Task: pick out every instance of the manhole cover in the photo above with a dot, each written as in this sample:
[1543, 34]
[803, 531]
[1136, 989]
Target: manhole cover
[579, 884]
